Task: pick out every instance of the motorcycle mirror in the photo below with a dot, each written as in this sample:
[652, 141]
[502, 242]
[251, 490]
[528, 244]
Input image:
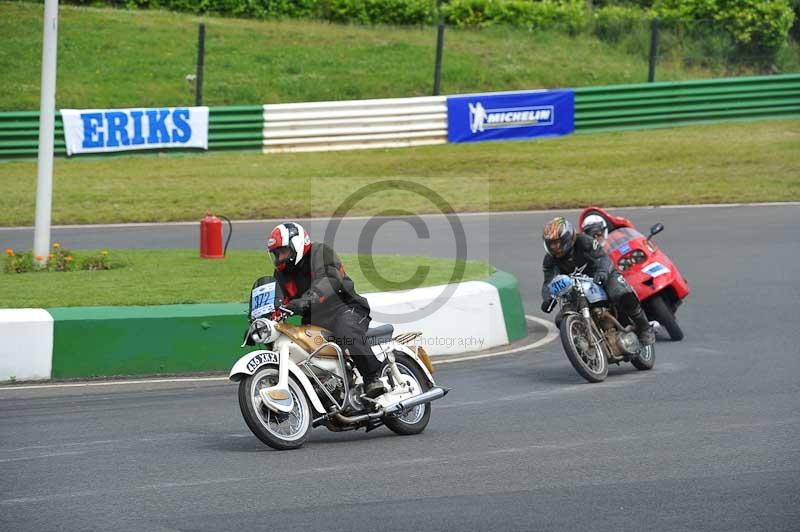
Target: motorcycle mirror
[657, 228]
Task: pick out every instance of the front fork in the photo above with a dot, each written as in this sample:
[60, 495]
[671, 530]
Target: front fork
[278, 397]
[595, 337]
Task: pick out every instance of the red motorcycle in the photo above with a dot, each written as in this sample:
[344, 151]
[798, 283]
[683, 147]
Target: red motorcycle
[657, 282]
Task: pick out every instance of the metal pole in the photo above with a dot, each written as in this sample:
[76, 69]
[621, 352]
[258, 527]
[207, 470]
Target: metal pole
[47, 111]
[651, 71]
[201, 52]
[437, 71]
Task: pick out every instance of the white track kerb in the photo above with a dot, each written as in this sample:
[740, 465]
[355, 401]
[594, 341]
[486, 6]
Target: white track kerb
[467, 317]
[26, 344]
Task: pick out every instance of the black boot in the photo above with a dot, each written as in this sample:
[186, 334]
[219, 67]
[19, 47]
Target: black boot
[643, 328]
[373, 386]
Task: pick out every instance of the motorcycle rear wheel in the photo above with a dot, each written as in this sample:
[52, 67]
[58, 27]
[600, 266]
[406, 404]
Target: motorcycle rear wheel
[658, 309]
[279, 431]
[415, 420]
[592, 364]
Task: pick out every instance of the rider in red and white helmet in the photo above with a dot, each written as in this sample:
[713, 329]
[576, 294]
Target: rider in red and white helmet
[288, 243]
[317, 288]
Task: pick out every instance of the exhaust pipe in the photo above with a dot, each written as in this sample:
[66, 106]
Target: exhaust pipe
[393, 409]
[406, 405]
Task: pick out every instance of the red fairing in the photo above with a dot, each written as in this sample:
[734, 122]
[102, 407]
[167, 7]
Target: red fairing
[614, 222]
[654, 273]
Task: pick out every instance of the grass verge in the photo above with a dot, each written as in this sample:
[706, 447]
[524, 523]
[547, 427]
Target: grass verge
[162, 277]
[742, 162]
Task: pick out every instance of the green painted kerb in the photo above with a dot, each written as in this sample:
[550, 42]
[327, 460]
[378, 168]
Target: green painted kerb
[513, 311]
[106, 341]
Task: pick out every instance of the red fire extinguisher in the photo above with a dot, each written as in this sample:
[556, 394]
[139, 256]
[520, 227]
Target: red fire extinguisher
[211, 237]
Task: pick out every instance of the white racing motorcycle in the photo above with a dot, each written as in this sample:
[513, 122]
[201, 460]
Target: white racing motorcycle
[302, 379]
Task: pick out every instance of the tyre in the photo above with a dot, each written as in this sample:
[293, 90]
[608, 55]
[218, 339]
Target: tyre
[646, 358]
[415, 420]
[279, 431]
[589, 361]
[658, 309]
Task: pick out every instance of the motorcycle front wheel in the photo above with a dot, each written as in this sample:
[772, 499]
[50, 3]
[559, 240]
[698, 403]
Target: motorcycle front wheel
[588, 359]
[279, 431]
[658, 309]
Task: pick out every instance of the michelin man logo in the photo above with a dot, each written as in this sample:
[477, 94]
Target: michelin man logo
[481, 119]
[477, 117]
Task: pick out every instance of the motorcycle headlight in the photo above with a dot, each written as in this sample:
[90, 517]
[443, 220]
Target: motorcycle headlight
[638, 256]
[262, 331]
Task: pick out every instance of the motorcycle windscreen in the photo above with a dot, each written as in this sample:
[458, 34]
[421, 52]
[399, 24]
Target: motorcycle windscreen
[265, 297]
[619, 239]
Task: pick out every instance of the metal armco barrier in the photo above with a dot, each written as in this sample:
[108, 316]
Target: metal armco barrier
[229, 128]
[667, 104]
[398, 122]
[356, 124]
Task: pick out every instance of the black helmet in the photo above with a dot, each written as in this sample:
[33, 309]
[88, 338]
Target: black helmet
[559, 237]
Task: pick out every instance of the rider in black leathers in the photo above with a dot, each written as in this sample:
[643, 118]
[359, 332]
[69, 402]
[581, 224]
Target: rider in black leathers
[316, 287]
[568, 250]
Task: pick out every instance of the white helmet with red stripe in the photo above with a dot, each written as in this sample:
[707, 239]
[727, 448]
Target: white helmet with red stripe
[287, 244]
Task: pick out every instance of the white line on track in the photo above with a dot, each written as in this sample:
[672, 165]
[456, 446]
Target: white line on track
[552, 332]
[430, 215]
[37, 457]
[551, 335]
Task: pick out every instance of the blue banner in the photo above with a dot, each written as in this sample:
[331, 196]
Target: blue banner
[510, 115]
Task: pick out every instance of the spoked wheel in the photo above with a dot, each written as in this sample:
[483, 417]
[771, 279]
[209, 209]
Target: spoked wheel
[584, 348]
[646, 358]
[279, 431]
[415, 420]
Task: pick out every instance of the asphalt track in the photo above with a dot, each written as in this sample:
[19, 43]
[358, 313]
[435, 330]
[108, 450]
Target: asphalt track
[708, 440]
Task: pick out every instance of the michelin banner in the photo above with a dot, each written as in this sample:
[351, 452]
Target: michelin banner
[108, 130]
[510, 115]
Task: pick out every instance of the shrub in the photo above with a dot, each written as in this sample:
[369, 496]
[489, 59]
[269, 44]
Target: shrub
[612, 23]
[756, 26]
[569, 15]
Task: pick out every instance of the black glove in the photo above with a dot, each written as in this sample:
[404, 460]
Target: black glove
[546, 305]
[297, 306]
[600, 277]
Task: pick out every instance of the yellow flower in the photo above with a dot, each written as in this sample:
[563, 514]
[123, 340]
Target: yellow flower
[104, 253]
[56, 245]
[9, 252]
[50, 256]
[69, 258]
